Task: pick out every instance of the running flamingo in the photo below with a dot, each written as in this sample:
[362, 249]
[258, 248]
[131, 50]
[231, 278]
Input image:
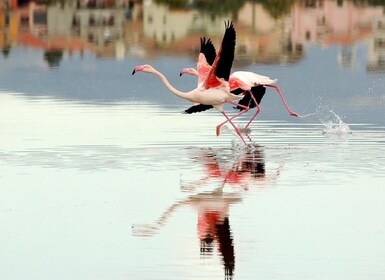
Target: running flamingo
[251, 96]
[239, 82]
[214, 90]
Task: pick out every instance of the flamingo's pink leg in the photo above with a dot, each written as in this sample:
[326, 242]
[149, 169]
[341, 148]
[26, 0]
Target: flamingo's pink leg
[236, 128]
[249, 137]
[256, 113]
[229, 119]
[245, 110]
[293, 114]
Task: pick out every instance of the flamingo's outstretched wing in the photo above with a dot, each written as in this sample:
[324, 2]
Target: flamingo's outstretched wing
[204, 65]
[197, 108]
[206, 58]
[208, 50]
[224, 60]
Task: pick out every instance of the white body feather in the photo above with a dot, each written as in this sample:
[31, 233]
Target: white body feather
[253, 79]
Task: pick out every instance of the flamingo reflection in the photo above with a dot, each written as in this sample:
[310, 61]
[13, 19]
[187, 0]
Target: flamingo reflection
[214, 228]
[247, 169]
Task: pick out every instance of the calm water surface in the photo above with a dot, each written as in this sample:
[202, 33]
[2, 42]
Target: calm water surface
[103, 177]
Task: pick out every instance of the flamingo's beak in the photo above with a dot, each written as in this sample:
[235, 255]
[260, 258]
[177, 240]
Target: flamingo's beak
[137, 69]
[182, 72]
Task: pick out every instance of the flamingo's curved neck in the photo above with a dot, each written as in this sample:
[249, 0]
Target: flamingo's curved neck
[178, 93]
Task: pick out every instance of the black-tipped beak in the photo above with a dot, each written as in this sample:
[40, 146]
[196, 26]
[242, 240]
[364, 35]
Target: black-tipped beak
[133, 71]
[180, 74]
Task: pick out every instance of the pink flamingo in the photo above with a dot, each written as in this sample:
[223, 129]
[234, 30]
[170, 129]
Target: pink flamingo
[248, 101]
[214, 89]
[239, 82]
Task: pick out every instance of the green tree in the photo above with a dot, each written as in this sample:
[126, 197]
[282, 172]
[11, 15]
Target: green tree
[212, 7]
[370, 2]
[217, 8]
[173, 3]
[276, 8]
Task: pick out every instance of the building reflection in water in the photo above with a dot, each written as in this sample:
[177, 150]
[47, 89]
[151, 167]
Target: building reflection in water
[267, 32]
[342, 23]
[245, 171]
[376, 52]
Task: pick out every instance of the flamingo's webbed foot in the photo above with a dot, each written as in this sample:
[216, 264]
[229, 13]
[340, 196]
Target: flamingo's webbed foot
[293, 114]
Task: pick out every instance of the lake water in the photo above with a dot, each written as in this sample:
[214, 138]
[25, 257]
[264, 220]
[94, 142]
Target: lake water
[103, 177]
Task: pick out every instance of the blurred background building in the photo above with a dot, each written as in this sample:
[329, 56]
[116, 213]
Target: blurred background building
[267, 31]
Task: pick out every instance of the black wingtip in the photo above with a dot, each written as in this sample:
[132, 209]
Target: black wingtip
[226, 58]
[197, 108]
[203, 42]
[208, 49]
[229, 24]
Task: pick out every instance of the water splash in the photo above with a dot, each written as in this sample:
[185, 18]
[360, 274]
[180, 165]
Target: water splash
[333, 125]
[308, 115]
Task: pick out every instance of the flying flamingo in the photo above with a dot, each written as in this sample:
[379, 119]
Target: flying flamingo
[239, 82]
[214, 90]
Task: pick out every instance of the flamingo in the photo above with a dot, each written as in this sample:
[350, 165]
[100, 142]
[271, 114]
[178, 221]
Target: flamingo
[214, 90]
[239, 82]
[206, 58]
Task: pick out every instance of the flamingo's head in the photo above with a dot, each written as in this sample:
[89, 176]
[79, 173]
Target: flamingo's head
[143, 68]
[190, 71]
